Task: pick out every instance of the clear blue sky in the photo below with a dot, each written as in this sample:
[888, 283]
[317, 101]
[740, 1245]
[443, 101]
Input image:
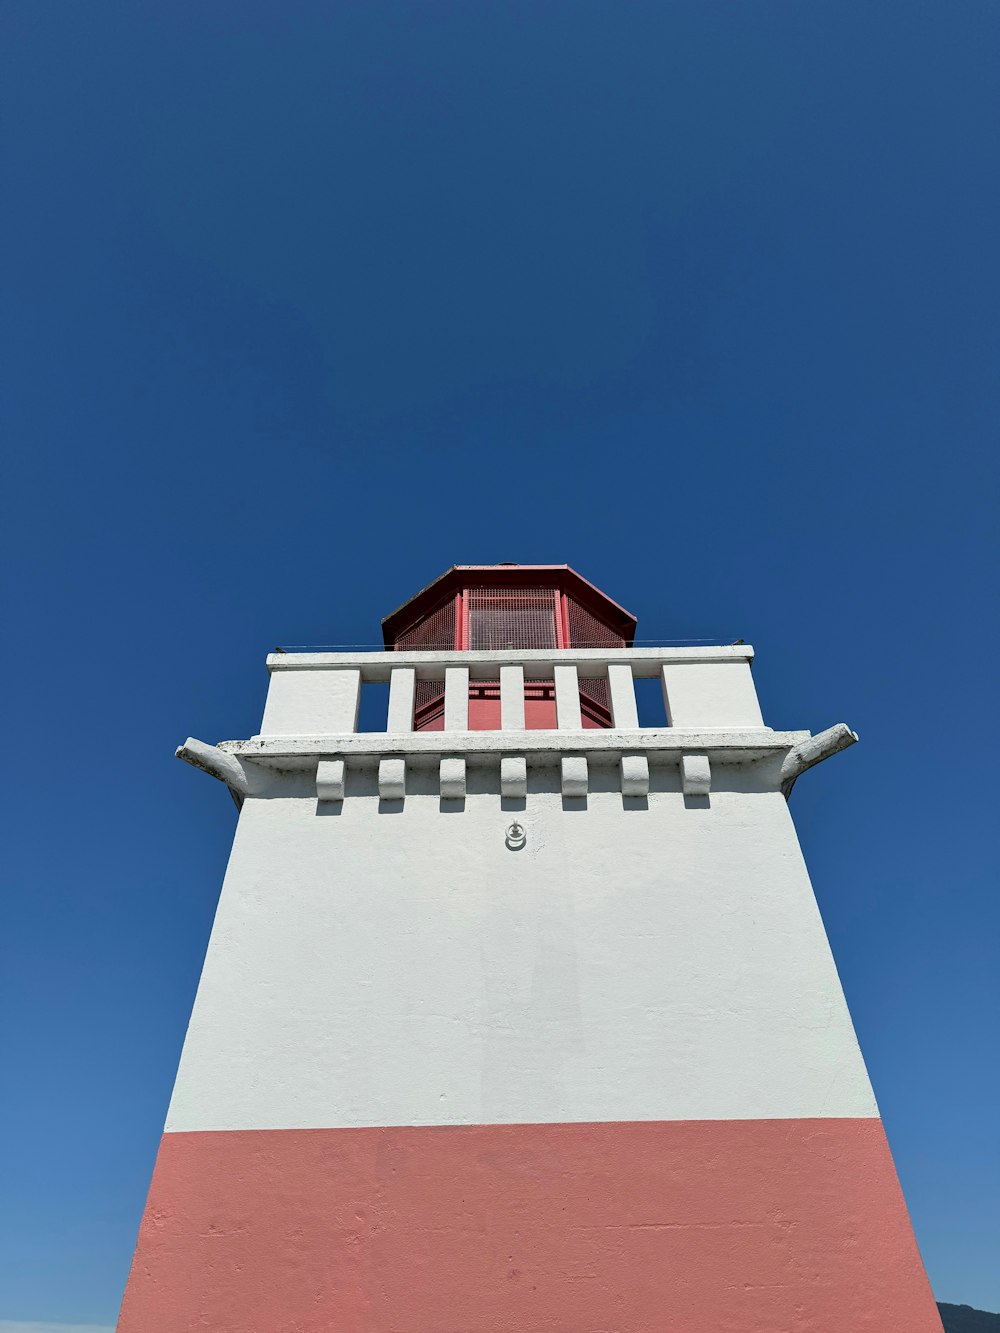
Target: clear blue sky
[305, 303]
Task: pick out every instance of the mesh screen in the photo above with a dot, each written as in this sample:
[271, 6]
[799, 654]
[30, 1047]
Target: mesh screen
[595, 700]
[502, 618]
[436, 631]
[586, 631]
[428, 704]
[433, 632]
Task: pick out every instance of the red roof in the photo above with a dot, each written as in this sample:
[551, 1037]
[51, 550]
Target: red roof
[564, 578]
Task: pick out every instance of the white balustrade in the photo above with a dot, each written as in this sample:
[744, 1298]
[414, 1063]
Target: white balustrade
[716, 694]
[704, 689]
[710, 703]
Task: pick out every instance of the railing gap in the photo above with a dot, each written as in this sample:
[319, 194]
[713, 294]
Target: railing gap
[374, 711]
[649, 702]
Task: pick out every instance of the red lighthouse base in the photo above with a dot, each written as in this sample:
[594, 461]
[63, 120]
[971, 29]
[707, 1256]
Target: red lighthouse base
[747, 1226]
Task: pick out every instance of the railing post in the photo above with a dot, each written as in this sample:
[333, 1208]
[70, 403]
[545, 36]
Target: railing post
[625, 717]
[624, 713]
[574, 773]
[512, 698]
[665, 690]
[456, 718]
[402, 687]
[351, 695]
[456, 698]
[568, 716]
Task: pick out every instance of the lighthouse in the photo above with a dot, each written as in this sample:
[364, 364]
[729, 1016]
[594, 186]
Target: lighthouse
[518, 1016]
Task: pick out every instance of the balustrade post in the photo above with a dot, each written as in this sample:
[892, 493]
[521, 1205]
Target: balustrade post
[568, 716]
[574, 771]
[512, 698]
[456, 698]
[624, 712]
[402, 687]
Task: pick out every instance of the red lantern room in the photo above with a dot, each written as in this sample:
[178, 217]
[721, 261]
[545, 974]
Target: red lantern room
[489, 608]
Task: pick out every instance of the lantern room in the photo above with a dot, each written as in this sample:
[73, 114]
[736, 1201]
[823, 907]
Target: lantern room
[490, 608]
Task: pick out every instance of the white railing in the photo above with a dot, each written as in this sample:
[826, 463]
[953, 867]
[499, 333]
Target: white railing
[319, 693]
[313, 705]
[311, 719]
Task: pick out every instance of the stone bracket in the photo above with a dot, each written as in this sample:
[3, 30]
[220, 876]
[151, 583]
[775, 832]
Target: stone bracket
[635, 775]
[330, 779]
[575, 775]
[696, 774]
[392, 779]
[452, 778]
[513, 775]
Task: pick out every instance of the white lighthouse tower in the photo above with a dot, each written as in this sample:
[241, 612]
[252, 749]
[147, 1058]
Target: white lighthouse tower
[519, 1017]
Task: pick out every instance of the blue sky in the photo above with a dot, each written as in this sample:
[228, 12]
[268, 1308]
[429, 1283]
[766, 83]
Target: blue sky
[306, 303]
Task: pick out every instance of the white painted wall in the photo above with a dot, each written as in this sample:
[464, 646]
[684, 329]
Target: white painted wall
[635, 961]
[312, 702]
[710, 695]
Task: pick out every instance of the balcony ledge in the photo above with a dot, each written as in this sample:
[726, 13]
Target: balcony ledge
[538, 747]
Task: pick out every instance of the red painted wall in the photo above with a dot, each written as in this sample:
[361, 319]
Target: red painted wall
[747, 1226]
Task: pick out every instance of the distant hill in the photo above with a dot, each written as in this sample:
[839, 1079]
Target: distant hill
[963, 1319]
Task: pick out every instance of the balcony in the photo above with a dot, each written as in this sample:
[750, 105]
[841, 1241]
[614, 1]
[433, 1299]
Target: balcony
[310, 722]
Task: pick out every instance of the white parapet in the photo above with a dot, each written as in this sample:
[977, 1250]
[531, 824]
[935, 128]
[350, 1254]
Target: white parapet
[710, 694]
[713, 717]
[304, 702]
